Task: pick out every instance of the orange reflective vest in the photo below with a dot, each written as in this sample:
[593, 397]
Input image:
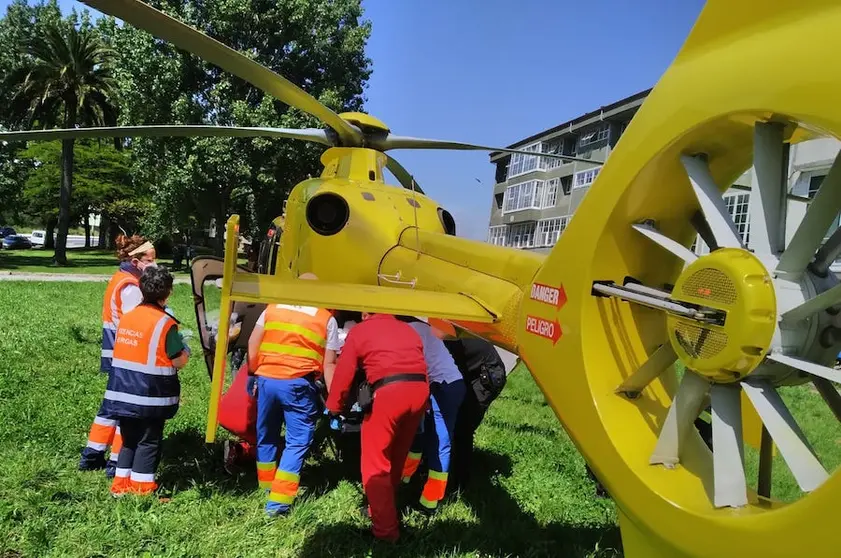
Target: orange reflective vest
[112, 311]
[143, 382]
[294, 341]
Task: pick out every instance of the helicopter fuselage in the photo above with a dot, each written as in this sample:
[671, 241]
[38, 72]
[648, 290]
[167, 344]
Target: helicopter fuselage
[349, 226]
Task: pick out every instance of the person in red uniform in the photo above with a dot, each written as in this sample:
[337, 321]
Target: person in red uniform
[391, 354]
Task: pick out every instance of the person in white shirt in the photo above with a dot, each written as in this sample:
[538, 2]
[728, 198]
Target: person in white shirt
[434, 441]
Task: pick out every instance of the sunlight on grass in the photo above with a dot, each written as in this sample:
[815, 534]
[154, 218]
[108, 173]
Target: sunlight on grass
[531, 496]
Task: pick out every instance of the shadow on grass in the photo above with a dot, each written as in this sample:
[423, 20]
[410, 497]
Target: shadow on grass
[11, 259]
[502, 528]
[187, 463]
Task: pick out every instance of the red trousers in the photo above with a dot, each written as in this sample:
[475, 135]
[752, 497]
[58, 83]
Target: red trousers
[387, 434]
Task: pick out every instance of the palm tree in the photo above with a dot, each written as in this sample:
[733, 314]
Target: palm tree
[66, 79]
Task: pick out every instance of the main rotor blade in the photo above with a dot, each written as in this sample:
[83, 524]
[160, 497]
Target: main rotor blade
[768, 189]
[187, 130]
[728, 447]
[405, 142]
[810, 233]
[402, 175]
[187, 38]
[712, 204]
[686, 406]
[793, 445]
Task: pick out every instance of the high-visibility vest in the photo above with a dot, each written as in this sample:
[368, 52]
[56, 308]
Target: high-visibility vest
[294, 341]
[143, 382]
[112, 311]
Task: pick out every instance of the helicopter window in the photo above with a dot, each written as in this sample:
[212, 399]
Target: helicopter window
[412, 202]
[447, 221]
[368, 196]
[327, 213]
[267, 259]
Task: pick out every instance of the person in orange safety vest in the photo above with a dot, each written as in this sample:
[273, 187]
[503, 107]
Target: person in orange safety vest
[289, 348]
[143, 388]
[122, 294]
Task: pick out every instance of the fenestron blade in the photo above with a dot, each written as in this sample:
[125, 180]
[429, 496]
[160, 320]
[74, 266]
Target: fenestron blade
[686, 406]
[672, 246]
[728, 449]
[405, 142]
[826, 372]
[402, 175]
[187, 38]
[795, 449]
[308, 134]
[767, 189]
[661, 359]
[712, 204]
[821, 302]
[819, 216]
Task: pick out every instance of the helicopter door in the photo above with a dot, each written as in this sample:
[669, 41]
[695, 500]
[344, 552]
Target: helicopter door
[268, 250]
[206, 277]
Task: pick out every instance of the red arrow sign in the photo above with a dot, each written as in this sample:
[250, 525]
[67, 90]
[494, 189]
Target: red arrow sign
[544, 328]
[556, 296]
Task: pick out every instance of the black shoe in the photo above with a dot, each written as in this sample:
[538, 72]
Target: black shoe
[95, 464]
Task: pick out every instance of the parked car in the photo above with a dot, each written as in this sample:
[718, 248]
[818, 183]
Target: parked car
[7, 231]
[16, 242]
[37, 238]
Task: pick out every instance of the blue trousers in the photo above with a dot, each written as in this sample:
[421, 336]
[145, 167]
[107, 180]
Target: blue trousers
[434, 442]
[294, 402]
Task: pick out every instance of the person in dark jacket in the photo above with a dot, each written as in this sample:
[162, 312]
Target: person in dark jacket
[484, 373]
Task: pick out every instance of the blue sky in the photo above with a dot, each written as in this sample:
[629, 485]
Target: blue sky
[494, 72]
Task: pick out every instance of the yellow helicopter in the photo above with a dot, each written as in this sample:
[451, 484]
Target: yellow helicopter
[603, 320]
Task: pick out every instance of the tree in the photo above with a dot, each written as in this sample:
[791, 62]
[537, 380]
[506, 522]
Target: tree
[318, 45]
[102, 184]
[65, 79]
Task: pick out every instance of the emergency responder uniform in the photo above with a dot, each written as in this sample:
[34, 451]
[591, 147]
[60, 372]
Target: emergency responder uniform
[391, 355]
[484, 374]
[122, 294]
[293, 342]
[434, 441]
[143, 390]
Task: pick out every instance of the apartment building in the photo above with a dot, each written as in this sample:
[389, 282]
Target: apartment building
[535, 197]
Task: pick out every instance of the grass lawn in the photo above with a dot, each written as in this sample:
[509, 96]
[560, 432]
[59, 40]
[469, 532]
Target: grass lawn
[531, 495]
[81, 262]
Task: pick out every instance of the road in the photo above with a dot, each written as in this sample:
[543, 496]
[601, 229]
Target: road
[77, 240]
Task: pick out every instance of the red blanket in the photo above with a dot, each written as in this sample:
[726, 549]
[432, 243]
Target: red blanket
[238, 410]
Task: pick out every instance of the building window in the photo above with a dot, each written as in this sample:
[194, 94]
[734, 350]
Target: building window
[548, 230]
[496, 235]
[550, 192]
[595, 136]
[521, 164]
[738, 205]
[521, 235]
[526, 195]
[586, 177]
[814, 185]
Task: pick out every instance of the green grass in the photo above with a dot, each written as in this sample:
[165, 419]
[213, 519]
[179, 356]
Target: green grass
[531, 496]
